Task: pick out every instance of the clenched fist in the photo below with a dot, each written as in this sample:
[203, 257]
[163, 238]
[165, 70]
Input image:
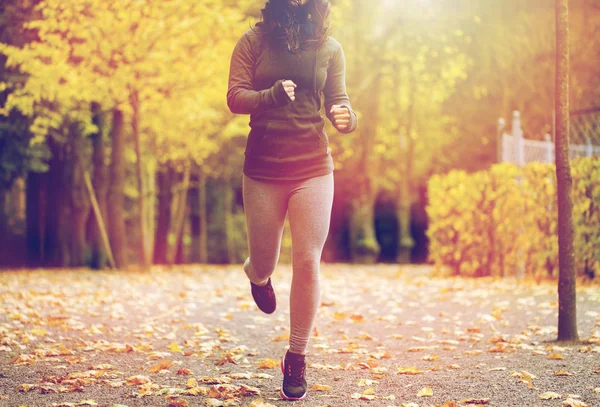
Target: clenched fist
[289, 87]
[341, 116]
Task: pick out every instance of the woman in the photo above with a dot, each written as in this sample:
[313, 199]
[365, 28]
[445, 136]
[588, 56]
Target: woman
[281, 70]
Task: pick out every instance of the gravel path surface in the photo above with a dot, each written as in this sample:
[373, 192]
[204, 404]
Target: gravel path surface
[385, 335]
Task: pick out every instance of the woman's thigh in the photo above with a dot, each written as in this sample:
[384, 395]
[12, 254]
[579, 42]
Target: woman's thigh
[309, 211]
[265, 206]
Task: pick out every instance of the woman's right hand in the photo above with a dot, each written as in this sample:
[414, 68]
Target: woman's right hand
[289, 87]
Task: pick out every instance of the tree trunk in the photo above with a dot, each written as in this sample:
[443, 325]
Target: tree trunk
[142, 218]
[364, 248]
[198, 223]
[56, 239]
[228, 217]
[164, 180]
[406, 242]
[179, 212]
[116, 197]
[99, 255]
[35, 213]
[80, 203]
[567, 311]
[3, 226]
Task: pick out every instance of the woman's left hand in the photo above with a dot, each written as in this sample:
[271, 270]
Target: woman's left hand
[341, 116]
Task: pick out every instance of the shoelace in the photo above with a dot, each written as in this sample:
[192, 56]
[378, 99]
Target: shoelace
[295, 374]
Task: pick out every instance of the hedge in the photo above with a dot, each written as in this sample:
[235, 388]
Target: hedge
[503, 221]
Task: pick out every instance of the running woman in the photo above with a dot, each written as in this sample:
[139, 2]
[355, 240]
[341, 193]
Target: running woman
[282, 70]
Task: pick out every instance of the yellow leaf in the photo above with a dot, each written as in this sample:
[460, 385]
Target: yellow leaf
[191, 383]
[196, 391]
[369, 391]
[320, 387]
[260, 403]
[550, 395]
[39, 332]
[175, 347]
[425, 392]
[268, 363]
[163, 364]
[409, 370]
[281, 338]
[573, 403]
[555, 356]
[339, 315]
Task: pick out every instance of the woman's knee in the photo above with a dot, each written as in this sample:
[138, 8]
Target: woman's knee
[307, 265]
[261, 270]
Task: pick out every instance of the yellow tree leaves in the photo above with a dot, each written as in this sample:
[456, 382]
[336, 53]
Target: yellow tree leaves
[174, 54]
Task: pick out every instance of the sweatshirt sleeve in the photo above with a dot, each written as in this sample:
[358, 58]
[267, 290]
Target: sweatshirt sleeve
[241, 97]
[335, 89]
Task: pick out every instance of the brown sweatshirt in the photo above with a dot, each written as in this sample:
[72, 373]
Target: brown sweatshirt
[287, 139]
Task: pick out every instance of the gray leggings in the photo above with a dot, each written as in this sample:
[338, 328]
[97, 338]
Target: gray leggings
[308, 205]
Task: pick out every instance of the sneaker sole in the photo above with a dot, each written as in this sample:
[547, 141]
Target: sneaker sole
[282, 394]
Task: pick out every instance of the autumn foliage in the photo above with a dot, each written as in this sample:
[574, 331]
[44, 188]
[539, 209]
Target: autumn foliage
[491, 223]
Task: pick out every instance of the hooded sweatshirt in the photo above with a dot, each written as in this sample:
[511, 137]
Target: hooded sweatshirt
[287, 139]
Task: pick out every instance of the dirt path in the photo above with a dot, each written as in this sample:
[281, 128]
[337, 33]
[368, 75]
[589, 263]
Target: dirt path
[385, 333]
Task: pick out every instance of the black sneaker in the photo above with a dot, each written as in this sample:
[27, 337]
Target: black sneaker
[294, 383]
[264, 297]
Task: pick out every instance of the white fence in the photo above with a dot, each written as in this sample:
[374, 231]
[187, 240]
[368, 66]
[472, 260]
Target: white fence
[517, 149]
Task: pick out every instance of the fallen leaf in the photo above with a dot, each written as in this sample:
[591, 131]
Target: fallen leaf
[475, 401]
[360, 396]
[320, 387]
[197, 391]
[562, 373]
[573, 403]
[24, 388]
[191, 383]
[211, 402]
[268, 363]
[555, 356]
[163, 364]
[135, 380]
[281, 338]
[178, 403]
[260, 403]
[175, 347]
[409, 370]
[550, 395]
[425, 392]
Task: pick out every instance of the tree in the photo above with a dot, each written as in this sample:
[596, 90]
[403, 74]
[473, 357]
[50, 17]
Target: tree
[567, 305]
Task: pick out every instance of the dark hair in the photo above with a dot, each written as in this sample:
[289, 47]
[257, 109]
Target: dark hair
[282, 21]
